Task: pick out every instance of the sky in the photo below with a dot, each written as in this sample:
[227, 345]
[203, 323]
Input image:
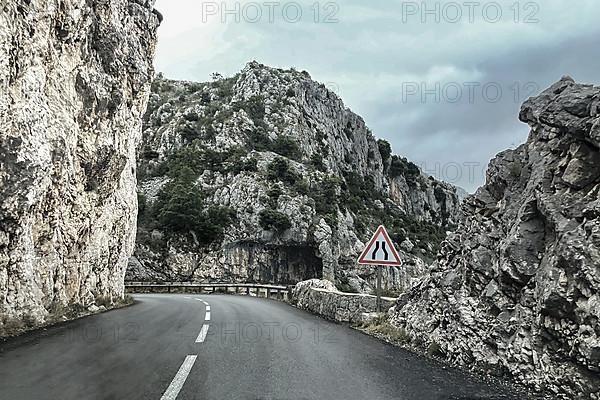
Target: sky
[442, 81]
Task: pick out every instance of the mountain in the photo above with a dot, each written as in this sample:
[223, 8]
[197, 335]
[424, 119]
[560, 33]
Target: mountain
[74, 83]
[267, 176]
[515, 290]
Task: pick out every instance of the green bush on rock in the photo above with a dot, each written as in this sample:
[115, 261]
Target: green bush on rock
[274, 220]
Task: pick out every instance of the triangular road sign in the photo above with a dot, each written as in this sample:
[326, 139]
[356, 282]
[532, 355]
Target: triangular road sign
[380, 250]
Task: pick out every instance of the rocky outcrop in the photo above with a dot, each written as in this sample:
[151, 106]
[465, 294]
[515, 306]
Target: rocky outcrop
[302, 175]
[515, 290]
[322, 298]
[74, 84]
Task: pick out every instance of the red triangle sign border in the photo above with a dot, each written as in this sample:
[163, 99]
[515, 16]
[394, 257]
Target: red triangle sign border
[380, 230]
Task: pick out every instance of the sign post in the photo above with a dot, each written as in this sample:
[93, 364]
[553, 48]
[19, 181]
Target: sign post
[379, 267]
[380, 251]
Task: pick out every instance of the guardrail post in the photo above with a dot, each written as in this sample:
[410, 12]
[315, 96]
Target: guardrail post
[268, 292]
[247, 290]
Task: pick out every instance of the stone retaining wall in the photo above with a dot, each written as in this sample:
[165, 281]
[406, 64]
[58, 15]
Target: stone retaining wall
[322, 298]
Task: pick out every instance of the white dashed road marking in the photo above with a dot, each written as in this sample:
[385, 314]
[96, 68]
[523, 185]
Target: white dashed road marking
[177, 383]
[202, 334]
[207, 316]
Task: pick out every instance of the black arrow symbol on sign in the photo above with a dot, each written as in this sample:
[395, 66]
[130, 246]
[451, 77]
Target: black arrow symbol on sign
[374, 255]
[385, 253]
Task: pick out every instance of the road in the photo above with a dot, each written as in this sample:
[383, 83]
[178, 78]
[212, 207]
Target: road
[171, 346]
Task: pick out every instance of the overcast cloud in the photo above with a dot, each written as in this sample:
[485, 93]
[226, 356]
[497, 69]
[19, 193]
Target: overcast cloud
[378, 54]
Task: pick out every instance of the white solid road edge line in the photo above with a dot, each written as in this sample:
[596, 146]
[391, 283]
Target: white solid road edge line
[202, 334]
[177, 383]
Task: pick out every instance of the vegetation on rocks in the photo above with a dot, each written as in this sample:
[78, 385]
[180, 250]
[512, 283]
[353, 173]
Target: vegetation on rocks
[282, 154]
[274, 220]
[381, 326]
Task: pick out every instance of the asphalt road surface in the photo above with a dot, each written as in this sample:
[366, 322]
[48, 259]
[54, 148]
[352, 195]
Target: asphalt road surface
[221, 347]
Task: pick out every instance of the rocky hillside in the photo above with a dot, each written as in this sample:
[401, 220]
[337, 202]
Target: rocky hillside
[515, 291]
[74, 83]
[266, 176]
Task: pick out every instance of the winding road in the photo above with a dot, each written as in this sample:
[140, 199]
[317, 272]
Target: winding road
[221, 347]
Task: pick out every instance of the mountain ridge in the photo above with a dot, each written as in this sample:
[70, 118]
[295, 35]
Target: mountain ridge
[277, 141]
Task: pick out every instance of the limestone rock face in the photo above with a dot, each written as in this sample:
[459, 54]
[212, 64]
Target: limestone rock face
[516, 288]
[74, 83]
[273, 140]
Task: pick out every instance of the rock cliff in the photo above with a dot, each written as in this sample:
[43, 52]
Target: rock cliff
[267, 176]
[515, 290]
[74, 84]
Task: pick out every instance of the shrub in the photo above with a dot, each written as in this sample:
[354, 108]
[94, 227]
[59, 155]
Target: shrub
[274, 220]
[189, 133]
[191, 116]
[258, 140]
[279, 169]
[359, 193]
[286, 147]
[247, 165]
[216, 220]
[301, 187]
[184, 161]
[385, 149]
[179, 209]
[205, 98]
[194, 87]
[326, 196]
[254, 107]
[225, 87]
[401, 166]
[383, 327]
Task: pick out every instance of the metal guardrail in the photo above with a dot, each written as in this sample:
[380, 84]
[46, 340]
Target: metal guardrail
[199, 288]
